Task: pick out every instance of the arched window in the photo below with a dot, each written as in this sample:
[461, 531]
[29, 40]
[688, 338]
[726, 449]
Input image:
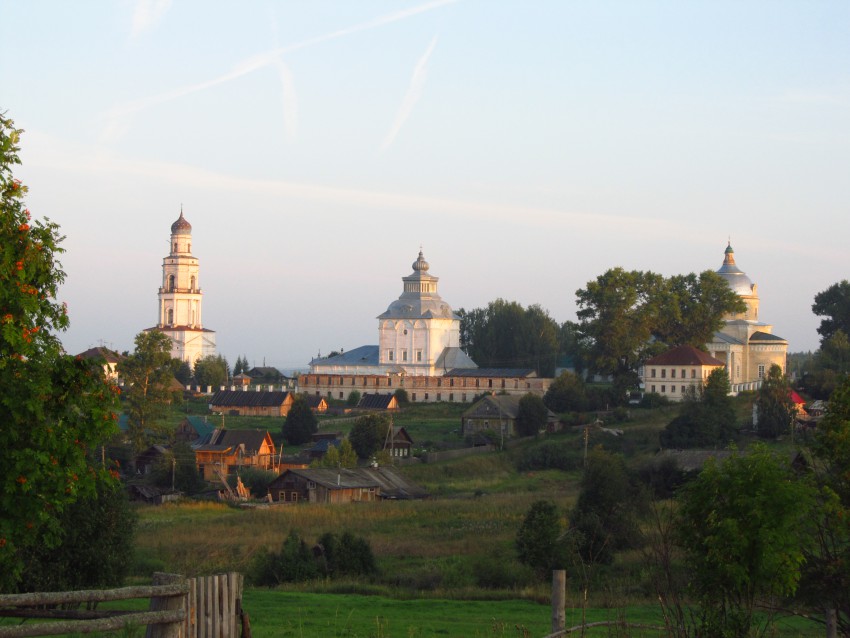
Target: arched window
[192, 286]
[170, 283]
[169, 316]
[175, 247]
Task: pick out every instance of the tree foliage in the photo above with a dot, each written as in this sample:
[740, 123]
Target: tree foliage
[54, 408]
[743, 525]
[627, 316]
[774, 406]
[369, 434]
[178, 468]
[95, 549]
[504, 334]
[300, 422]
[241, 365]
[342, 455]
[833, 304]
[707, 417]
[531, 415]
[211, 370]
[826, 579]
[567, 393]
[540, 540]
[346, 555]
[605, 518]
[147, 378]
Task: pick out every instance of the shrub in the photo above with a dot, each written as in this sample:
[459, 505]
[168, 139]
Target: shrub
[654, 400]
[353, 398]
[550, 455]
[401, 396]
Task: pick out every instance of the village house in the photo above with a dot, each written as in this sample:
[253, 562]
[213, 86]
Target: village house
[399, 445]
[192, 428]
[227, 451]
[344, 485]
[251, 403]
[110, 360]
[496, 413]
[316, 403]
[378, 402]
[675, 373]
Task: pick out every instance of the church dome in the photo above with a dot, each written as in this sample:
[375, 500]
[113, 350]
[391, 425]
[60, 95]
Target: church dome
[420, 298]
[734, 276]
[181, 226]
[420, 265]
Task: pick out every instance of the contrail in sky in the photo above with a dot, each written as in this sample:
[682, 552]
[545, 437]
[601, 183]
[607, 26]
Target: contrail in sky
[260, 61]
[414, 92]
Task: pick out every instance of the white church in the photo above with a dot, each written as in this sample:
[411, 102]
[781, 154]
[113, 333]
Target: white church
[419, 350]
[180, 298]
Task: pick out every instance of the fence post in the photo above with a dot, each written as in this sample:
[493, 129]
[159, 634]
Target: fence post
[559, 600]
[170, 630]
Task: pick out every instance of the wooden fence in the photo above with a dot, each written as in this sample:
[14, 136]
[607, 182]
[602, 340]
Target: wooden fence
[203, 607]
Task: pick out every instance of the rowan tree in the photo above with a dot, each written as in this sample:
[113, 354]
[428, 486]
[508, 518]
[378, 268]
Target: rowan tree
[54, 409]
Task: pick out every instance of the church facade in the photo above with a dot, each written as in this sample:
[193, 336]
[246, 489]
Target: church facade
[745, 344]
[180, 298]
[418, 350]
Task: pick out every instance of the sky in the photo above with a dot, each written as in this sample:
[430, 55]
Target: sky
[526, 147]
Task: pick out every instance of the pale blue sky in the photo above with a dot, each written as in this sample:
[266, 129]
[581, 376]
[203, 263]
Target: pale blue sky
[527, 146]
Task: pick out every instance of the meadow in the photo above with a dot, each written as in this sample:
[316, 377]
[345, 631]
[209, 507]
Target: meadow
[447, 565]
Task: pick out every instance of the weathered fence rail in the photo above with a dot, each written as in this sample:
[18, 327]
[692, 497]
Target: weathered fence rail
[203, 607]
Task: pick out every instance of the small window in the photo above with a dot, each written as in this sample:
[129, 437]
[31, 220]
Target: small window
[653, 389]
[414, 397]
[652, 373]
[663, 373]
[761, 371]
[673, 389]
[439, 397]
[404, 355]
[426, 396]
[683, 389]
[340, 395]
[693, 373]
[683, 373]
[673, 373]
[418, 356]
[311, 485]
[451, 383]
[451, 397]
[293, 496]
[389, 355]
[663, 389]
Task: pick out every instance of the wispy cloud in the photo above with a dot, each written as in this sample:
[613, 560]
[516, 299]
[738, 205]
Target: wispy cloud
[414, 92]
[288, 100]
[116, 117]
[148, 13]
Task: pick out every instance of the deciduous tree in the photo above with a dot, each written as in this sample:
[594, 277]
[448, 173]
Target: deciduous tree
[707, 417]
[744, 525]
[567, 393]
[531, 415]
[774, 406]
[54, 409]
[369, 434]
[147, 385]
[833, 304]
[540, 540]
[300, 422]
[211, 370]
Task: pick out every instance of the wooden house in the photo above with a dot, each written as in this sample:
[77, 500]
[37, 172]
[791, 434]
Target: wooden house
[109, 358]
[378, 402]
[229, 450]
[250, 403]
[316, 403]
[147, 459]
[496, 413]
[241, 379]
[192, 428]
[400, 445]
[352, 485]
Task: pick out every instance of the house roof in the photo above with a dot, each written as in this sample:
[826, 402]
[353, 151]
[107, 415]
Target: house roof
[690, 460]
[223, 440]
[199, 424]
[400, 434]
[520, 373]
[101, 353]
[498, 406]
[323, 445]
[314, 401]
[684, 356]
[391, 484]
[242, 399]
[377, 401]
[264, 371]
